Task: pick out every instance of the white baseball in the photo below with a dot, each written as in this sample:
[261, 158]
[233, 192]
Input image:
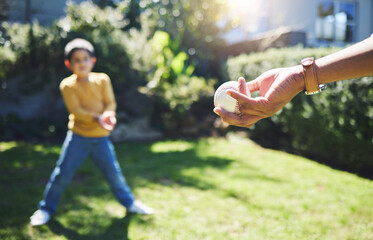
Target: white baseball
[223, 100]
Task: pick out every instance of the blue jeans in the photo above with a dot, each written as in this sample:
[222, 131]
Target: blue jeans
[75, 150]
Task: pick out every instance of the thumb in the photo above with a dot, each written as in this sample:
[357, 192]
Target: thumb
[252, 106]
[253, 86]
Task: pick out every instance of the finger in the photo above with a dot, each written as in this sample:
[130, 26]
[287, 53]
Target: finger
[108, 127]
[220, 111]
[242, 88]
[235, 119]
[247, 121]
[255, 103]
[252, 106]
[249, 111]
[225, 115]
[243, 121]
[113, 120]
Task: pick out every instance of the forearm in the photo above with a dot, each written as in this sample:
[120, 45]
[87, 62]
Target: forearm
[111, 107]
[352, 62]
[84, 116]
[73, 107]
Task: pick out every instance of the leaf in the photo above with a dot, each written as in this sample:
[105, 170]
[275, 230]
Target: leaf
[177, 64]
[160, 40]
[190, 69]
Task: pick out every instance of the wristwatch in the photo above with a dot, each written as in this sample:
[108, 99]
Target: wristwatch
[310, 76]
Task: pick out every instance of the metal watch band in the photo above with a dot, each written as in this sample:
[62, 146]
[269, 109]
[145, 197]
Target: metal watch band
[310, 76]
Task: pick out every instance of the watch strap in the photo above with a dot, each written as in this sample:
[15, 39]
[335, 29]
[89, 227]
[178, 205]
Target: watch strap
[310, 76]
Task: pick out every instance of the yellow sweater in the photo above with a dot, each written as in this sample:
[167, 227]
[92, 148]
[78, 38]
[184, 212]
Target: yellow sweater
[84, 100]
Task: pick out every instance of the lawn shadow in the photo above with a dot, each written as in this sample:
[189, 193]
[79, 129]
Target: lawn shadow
[58, 229]
[118, 229]
[165, 168]
[170, 167]
[25, 169]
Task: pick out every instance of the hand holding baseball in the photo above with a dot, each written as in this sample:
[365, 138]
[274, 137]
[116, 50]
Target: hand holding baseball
[276, 88]
[237, 117]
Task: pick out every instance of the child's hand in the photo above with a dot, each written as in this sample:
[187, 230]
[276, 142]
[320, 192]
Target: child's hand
[107, 120]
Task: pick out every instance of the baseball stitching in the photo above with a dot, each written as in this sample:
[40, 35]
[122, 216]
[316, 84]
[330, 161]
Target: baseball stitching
[237, 107]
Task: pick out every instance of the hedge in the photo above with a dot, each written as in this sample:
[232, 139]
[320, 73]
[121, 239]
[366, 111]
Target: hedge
[333, 127]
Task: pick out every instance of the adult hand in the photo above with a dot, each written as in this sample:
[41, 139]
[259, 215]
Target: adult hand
[107, 120]
[276, 88]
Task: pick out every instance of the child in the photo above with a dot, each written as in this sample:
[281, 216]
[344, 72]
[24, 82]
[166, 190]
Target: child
[89, 98]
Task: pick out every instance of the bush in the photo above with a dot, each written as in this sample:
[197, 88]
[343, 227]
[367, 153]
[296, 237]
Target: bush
[88, 17]
[133, 58]
[334, 127]
[169, 73]
[34, 50]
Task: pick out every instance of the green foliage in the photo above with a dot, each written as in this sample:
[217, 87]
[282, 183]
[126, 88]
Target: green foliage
[87, 17]
[32, 48]
[7, 60]
[194, 24]
[253, 65]
[168, 71]
[172, 79]
[333, 127]
[104, 28]
[155, 62]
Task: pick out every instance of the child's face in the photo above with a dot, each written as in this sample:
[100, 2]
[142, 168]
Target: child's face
[81, 63]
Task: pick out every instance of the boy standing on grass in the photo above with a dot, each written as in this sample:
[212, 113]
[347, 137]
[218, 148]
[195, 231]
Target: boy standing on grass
[89, 98]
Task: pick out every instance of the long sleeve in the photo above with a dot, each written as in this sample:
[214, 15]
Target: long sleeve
[84, 100]
[75, 107]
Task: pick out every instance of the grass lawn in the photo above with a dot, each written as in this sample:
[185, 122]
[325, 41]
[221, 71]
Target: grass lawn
[203, 189]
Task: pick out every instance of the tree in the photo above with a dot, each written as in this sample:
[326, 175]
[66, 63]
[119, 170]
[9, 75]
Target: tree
[192, 21]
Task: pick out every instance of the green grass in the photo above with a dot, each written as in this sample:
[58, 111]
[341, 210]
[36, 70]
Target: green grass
[203, 189]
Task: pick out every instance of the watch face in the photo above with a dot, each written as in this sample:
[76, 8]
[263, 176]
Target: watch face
[307, 62]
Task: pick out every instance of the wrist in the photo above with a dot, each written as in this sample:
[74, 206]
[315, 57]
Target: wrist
[311, 80]
[108, 113]
[298, 77]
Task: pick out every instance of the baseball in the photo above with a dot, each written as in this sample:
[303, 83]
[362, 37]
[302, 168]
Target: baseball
[223, 100]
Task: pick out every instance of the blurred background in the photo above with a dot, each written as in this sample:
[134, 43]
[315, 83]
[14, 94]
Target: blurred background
[166, 57]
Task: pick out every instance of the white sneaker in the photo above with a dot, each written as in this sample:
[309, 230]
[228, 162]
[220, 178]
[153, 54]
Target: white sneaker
[140, 208]
[40, 217]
